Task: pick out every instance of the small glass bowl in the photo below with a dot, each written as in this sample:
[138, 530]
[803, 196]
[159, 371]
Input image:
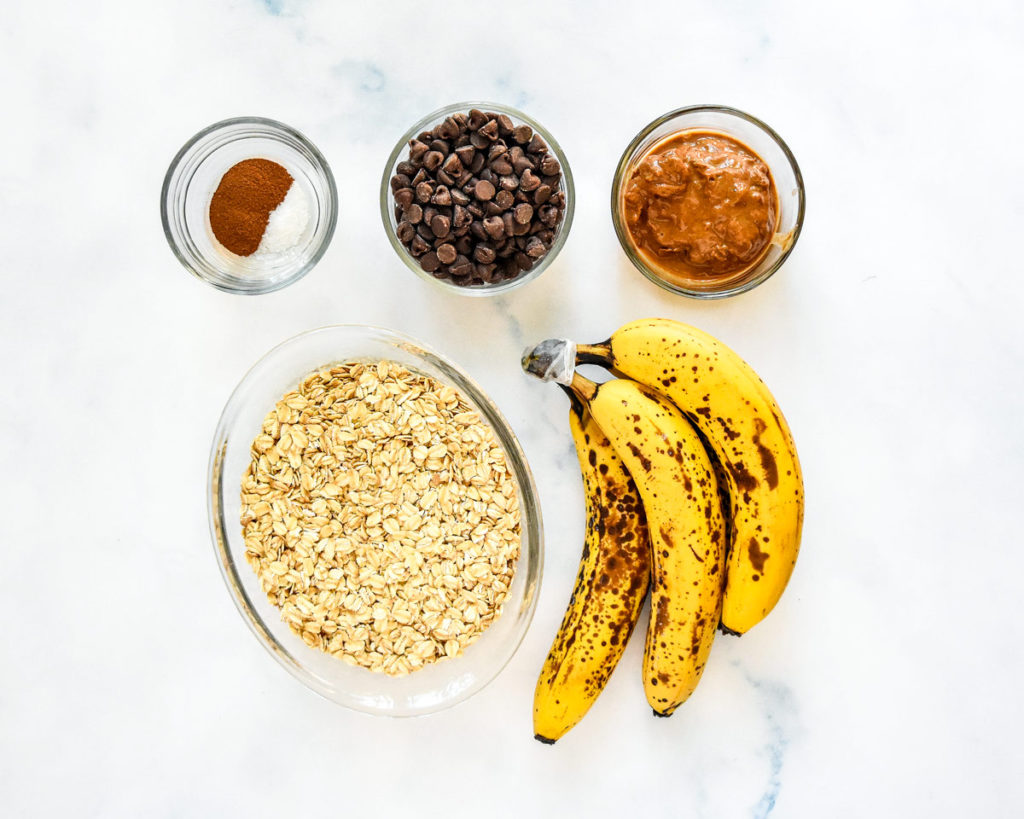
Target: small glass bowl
[433, 687]
[750, 131]
[193, 177]
[387, 200]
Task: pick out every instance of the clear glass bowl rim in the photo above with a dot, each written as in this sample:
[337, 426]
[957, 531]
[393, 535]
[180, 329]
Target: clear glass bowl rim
[531, 518]
[567, 185]
[270, 124]
[620, 228]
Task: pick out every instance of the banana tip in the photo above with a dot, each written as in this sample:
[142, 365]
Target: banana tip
[722, 627]
[551, 360]
[661, 714]
[545, 740]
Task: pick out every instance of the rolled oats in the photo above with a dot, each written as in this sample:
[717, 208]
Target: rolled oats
[380, 516]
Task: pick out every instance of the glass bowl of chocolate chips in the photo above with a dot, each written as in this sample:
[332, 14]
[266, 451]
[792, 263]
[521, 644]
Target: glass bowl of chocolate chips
[478, 198]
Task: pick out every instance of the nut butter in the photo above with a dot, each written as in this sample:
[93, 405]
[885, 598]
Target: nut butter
[700, 206]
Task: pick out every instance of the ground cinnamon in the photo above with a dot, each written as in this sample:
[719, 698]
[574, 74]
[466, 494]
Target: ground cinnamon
[244, 199]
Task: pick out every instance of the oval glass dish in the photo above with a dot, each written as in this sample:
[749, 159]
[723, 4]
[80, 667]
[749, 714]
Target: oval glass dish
[192, 178]
[387, 200]
[435, 686]
[757, 136]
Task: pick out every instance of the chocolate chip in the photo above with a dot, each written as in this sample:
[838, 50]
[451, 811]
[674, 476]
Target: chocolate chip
[523, 214]
[478, 198]
[502, 167]
[405, 231]
[430, 262]
[494, 227]
[523, 164]
[549, 165]
[441, 225]
[483, 190]
[549, 215]
[446, 253]
[418, 246]
[535, 248]
[452, 127]
[453, 165]
[442, 196]
[462, 266]
[542, 194]
[490, 130]
[404, 197]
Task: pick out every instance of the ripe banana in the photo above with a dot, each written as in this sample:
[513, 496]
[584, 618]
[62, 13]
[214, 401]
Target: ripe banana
[676, 480]
[610, 587]
[734, 410]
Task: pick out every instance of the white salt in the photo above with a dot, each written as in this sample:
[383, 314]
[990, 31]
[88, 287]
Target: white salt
[288, 221]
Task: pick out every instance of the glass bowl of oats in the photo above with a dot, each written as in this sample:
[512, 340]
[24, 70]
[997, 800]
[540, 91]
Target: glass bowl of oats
[375, 520]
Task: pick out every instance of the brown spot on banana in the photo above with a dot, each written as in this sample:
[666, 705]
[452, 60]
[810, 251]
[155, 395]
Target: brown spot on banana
[757, 557]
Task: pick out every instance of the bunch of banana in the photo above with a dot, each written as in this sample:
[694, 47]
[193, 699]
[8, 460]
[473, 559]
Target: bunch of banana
[715, 465]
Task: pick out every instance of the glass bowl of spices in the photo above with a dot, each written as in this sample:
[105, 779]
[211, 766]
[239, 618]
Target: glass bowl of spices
[478, 198]
[375, 520]
[707, 201]
[249, 205]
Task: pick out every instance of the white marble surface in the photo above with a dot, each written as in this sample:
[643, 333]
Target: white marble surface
[887, 682]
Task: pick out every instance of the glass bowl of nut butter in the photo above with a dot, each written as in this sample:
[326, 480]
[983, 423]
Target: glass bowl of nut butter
[707, 201]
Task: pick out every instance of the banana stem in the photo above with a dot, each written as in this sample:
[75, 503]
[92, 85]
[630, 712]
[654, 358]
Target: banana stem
[600, 354]
[584, 388]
